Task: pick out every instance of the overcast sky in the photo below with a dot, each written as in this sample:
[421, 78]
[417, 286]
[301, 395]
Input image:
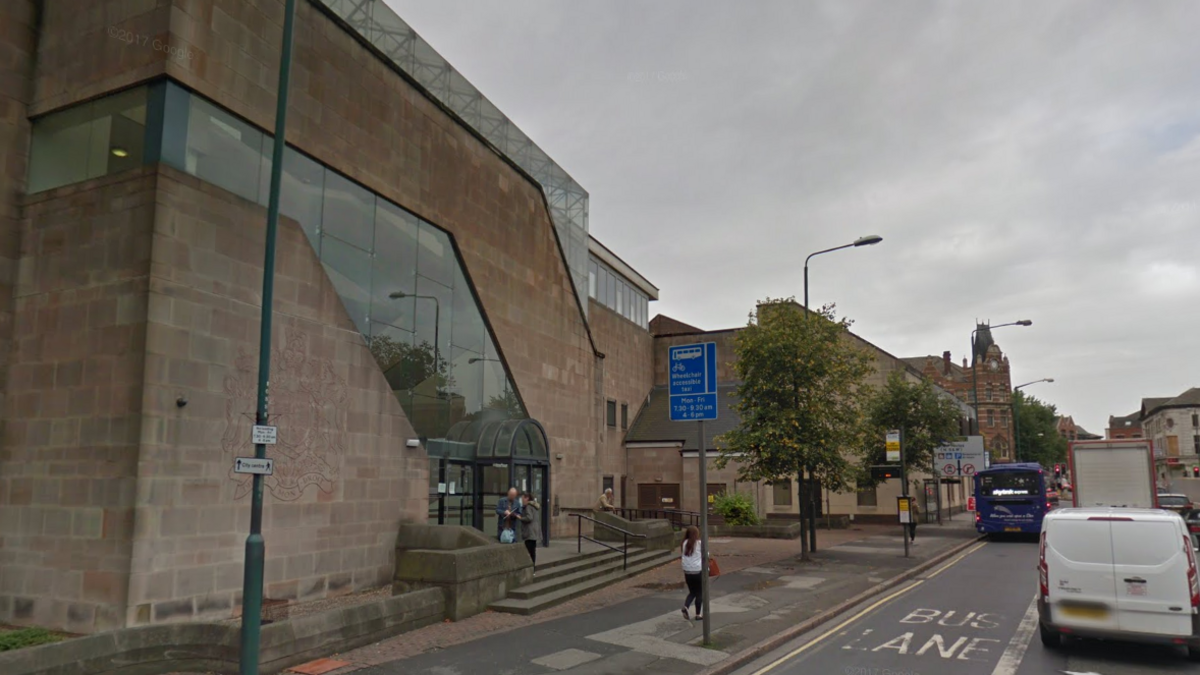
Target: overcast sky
[1020, 159]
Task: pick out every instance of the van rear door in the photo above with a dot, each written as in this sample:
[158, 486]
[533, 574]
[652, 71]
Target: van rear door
[1151, 563]
[1080, 576]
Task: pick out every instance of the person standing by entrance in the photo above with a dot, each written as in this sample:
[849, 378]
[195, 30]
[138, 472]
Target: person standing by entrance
[605, 503]
[531, 526]
[509, 511]
[914, 513]
[691, 559]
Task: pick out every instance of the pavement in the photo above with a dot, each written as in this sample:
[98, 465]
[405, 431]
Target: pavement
[972, 615]
[636, 626]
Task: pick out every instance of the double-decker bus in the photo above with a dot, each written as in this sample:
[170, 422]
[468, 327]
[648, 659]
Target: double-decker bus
[1011, 498]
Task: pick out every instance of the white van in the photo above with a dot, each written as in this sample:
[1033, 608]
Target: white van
[1118, 574]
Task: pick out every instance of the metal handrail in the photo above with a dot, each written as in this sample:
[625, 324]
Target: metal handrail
[625, 533]
[678, 518]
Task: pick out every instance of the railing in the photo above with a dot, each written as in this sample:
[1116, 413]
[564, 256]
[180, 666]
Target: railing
[624, 551]
[678, 519]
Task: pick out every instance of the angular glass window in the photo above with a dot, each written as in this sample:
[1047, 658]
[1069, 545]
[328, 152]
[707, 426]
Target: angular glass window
[349, 212]
[593, 272]
[88, 141]
[223, 150]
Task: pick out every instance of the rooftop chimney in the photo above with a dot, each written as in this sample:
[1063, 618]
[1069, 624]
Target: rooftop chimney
[946, 364]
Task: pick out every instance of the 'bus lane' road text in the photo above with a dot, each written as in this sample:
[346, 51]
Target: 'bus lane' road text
[963, 640]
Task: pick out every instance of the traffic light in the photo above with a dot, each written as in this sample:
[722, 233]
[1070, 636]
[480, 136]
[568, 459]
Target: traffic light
[1196, 472]
[1057, 470]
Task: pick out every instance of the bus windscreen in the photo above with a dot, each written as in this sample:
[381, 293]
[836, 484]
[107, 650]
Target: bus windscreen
[1010, 484]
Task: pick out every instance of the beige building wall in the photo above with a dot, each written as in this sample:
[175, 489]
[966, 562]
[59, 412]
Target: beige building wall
[628, 370]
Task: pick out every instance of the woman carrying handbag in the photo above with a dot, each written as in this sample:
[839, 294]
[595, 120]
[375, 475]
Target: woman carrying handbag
[692, 569]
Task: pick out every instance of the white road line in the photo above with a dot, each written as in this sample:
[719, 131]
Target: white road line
[1010, 660]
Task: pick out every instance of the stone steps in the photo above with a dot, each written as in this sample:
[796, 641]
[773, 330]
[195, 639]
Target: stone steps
[579, 577]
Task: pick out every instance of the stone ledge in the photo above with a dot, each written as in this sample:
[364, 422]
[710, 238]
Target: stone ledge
[153, 650]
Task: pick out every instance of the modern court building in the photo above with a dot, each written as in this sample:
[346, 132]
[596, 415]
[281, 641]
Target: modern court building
[435, 282]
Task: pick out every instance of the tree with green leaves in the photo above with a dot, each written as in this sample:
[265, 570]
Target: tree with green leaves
[801, 385]
[1037, 431]
[926, 417]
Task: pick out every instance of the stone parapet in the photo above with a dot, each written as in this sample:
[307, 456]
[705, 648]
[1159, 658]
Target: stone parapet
[470, 569]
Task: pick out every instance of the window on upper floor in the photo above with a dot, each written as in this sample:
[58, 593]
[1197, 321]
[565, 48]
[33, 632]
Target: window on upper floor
[991, 418]
[611, 413]
[624, 415]
[1196, 419]
[89, 141]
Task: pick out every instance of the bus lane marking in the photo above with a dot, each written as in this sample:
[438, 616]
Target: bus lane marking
[958, 647]
[838, 630]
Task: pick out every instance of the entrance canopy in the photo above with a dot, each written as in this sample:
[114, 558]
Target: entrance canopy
[493, 439]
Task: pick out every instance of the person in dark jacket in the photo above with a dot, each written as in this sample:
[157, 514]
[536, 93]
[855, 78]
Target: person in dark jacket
[509, 511]
[531, 525]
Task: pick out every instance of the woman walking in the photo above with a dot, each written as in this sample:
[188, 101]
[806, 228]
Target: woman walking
[531, 526]
[691, 571]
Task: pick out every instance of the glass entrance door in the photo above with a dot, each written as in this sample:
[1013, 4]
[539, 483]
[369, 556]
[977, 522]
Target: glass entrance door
[460, 495]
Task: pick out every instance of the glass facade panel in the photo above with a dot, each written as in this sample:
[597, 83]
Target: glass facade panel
[613, 291]
[302, 190]
[349, 212]
[393, 268]
[223, 150]
[88, 141]
[467, 329]
[435, 257]
[349, 269]
[434, 310]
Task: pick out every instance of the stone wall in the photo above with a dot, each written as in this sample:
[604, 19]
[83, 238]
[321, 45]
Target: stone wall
[344, 479]
[628, 367]
[72, 409]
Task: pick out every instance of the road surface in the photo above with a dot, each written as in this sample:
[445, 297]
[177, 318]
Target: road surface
[975, 615]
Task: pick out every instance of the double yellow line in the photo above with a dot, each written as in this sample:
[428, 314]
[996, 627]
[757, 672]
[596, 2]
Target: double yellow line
[865, 611]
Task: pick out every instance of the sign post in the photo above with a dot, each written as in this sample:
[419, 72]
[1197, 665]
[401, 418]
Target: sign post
[693, 392]
[895, 453]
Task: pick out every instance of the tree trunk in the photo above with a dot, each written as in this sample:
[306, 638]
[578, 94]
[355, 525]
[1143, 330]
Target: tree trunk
[814, 502]
[800, 503]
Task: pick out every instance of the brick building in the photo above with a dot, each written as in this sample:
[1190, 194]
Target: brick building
[1068, 429]
[1124, 426]
[990, 375]
[663, 456]
[435, 282]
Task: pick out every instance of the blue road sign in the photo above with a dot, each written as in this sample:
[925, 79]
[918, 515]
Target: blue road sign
[692, 375]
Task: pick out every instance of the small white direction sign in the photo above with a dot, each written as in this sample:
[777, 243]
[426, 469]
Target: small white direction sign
[254, 465]
[264, 435]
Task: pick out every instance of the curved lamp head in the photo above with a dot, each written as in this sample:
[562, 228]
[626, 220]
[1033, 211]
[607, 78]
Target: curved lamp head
[1024, 322]
[1049, 379]
[396, 295]
[474, 359]
[868, 240]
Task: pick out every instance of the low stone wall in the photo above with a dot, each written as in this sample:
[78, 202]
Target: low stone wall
[469, 568]
[839, 522]
[215, 647]
[771, 531]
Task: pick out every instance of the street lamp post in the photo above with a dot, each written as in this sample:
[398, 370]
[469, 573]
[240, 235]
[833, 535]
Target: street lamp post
[869, 240]
[1016, 417]
[255, 555]
[975, 367]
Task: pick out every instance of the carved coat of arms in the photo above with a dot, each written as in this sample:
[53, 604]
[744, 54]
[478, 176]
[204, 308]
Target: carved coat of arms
[307, 402]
